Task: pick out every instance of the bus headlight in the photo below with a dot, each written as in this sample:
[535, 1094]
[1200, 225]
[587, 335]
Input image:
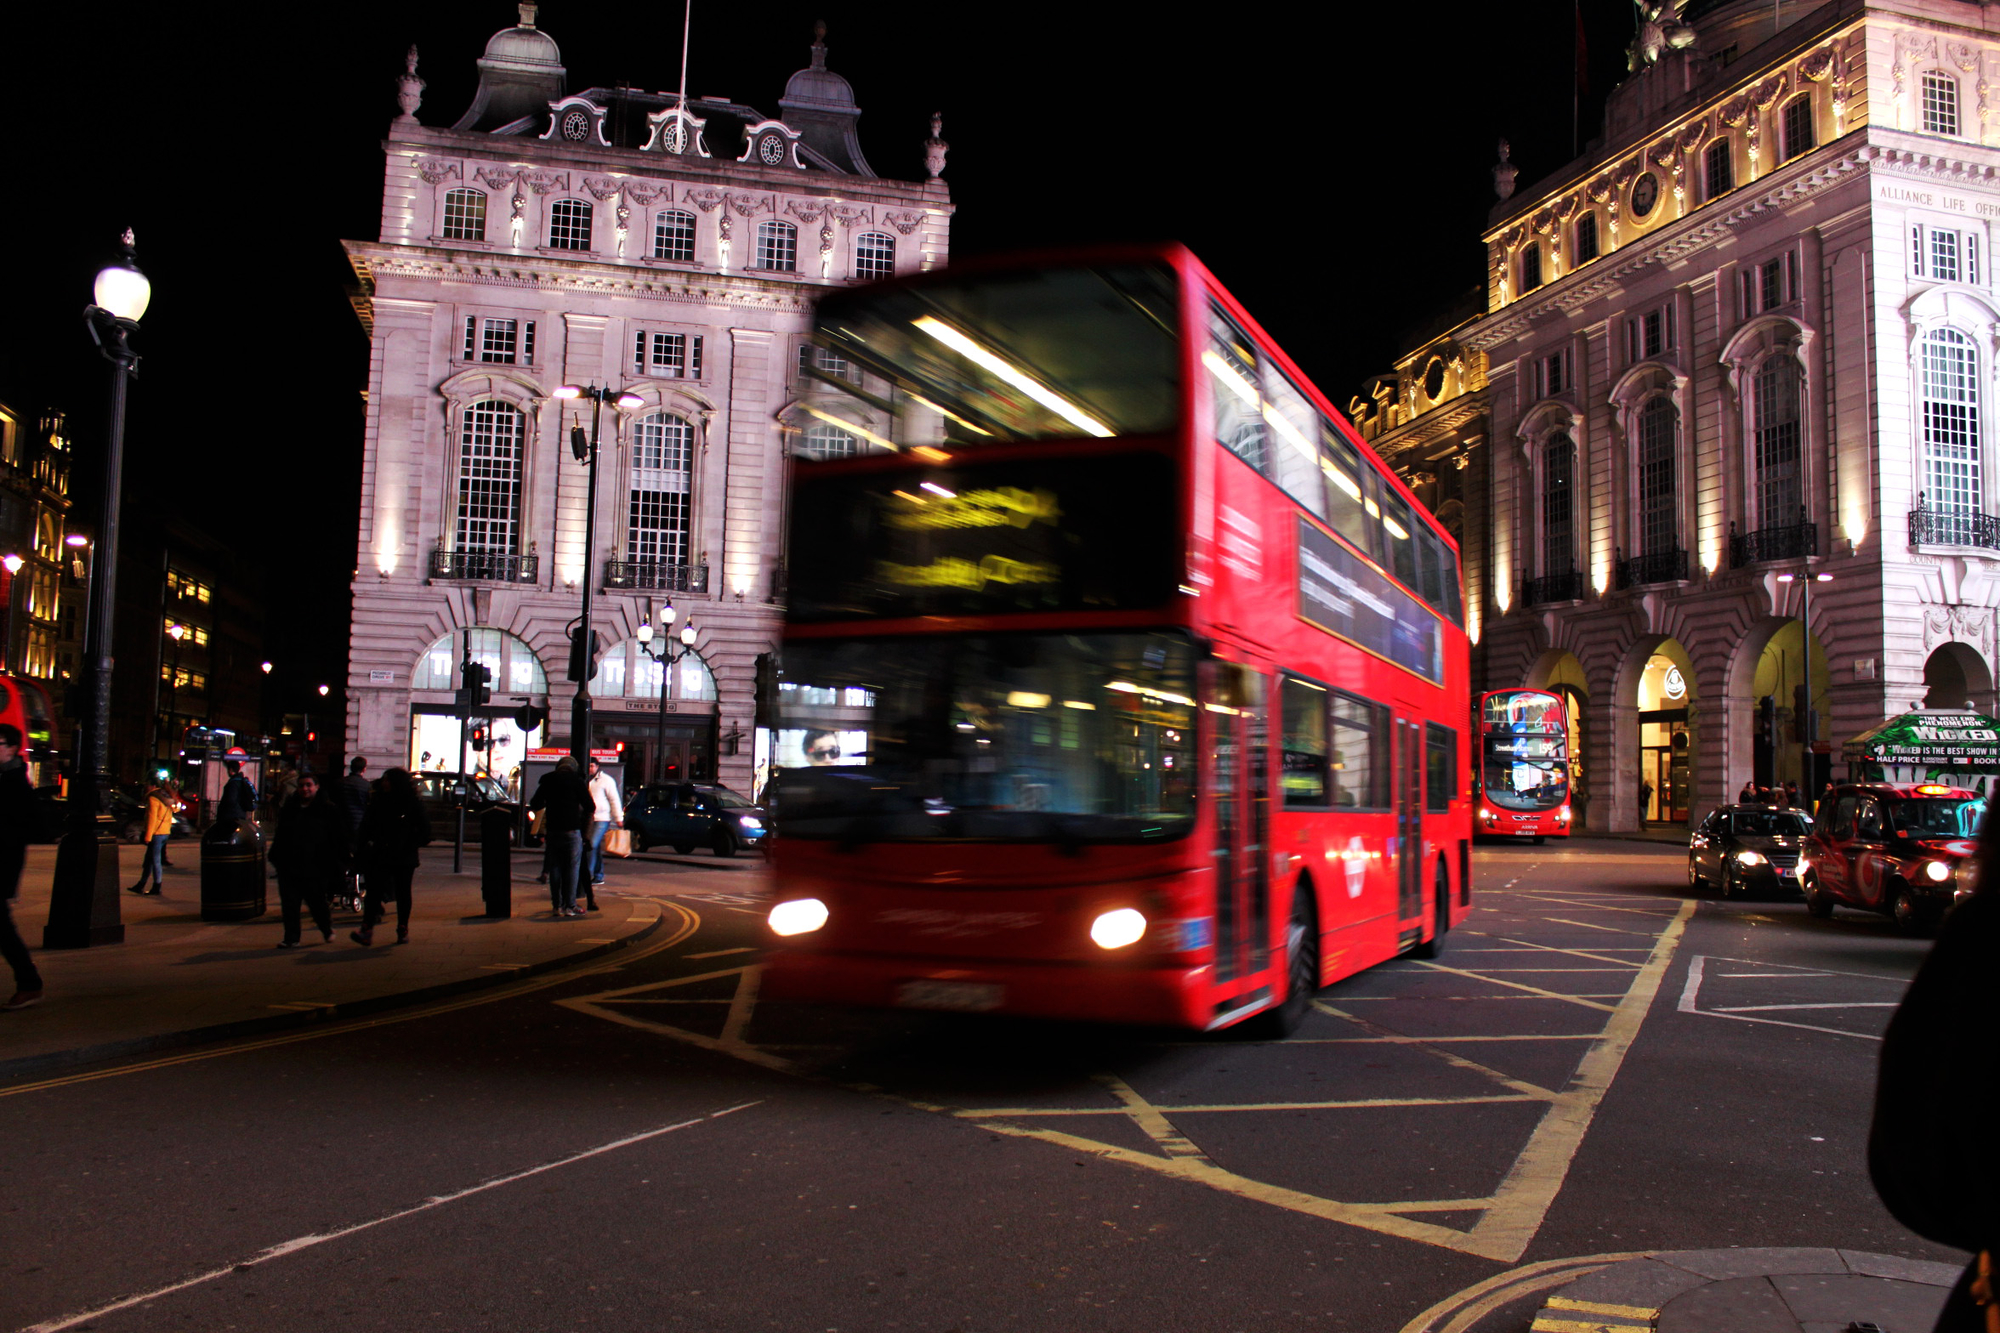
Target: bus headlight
[1937, 872]
[1485, 814]
[1747, 857]
[800, 916]
[1562, 815]
[1117, 928]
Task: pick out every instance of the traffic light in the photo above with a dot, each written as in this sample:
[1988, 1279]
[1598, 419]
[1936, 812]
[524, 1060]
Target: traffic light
[478, 683]
[579, 444]
[1767, 721]
[767, 688]
[482, 736]
[582, 656]
[1803, 728]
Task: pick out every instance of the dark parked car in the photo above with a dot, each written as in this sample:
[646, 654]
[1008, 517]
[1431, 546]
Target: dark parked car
[439, 793]
[128, 817]
[687, 815]
[1902, 849]
[1748, 849]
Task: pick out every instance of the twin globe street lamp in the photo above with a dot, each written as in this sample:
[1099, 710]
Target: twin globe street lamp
[666, 657]
[84, 898]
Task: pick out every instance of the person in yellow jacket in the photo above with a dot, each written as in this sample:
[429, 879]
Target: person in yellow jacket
[159, 827]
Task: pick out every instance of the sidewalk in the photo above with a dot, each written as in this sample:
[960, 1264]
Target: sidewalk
[1752, 1291]
[177, 980]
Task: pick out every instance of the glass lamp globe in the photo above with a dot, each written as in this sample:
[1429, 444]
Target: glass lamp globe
[688, 635]
[645, 633]
[121, 288]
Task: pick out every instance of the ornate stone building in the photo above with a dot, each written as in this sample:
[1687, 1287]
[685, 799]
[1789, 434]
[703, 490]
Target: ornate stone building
[1751, 331]
[623, 239]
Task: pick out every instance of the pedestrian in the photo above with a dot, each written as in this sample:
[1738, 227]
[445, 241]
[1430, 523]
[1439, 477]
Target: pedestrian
[1791, 795]
[565, 799]
[606, 813]
[1749, 792]
[1645, 800]
[238, 802]
[392, 830]
[17, 816]
[159, 827]
[352, 792]
[313, 843]
[1930, 1148]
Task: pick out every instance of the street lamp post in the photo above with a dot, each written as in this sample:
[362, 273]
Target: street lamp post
[666, 657]
[84, 899]
[586, 452]
[1808, 729]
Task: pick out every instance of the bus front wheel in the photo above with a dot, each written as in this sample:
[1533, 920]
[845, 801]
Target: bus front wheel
[1434, 946]
[1301, 971]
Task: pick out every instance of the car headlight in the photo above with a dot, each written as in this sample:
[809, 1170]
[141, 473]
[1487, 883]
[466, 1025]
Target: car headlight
[1117, 928]
[750, 822]
[800, 916]
[1937, 872]
[1747, 857]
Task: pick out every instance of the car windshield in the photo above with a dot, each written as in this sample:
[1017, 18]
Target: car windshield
[1519, 774]
[728, 799]
[1769, 824]
[1062, 738]
[1938, 818]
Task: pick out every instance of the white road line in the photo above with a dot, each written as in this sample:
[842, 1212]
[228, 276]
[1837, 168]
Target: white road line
[1692, 990]
[308, 1242]
[1758, 1008]
[1781, 976]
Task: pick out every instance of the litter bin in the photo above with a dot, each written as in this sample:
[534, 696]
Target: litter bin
[232, 872]
[496, 861]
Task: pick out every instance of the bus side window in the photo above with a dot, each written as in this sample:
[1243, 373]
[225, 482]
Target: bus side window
[1430, 567]
[1360, 776]
[1296, 425]
[1401, 533]
[1303, 758]
[1440, 766]
[1231, 359]
[1346, 501]
[1452, 606]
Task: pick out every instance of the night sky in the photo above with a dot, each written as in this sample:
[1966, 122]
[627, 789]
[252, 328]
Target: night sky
[1330, 162]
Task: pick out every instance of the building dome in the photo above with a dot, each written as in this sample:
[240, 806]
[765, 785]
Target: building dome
[817, 86]
[524, 44]
[520, 74]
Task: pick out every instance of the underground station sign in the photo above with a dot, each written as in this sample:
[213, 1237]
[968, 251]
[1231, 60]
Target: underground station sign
[1958, 740]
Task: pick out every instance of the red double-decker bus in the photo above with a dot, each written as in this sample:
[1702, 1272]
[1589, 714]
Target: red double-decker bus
[1120, 681]
[1522, 774]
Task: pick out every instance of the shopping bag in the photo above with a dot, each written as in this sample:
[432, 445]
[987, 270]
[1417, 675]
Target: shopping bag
[618, 842]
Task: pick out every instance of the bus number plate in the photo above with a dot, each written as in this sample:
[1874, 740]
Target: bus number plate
[963, 996]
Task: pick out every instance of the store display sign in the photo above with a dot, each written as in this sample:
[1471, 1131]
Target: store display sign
[1346, 596]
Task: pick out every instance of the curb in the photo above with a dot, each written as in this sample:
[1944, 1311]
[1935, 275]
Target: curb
[252, 1027]
[1685, 1288]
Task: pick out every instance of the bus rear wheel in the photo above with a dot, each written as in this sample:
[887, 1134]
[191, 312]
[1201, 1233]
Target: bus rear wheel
[1301, 972]
[1434, 946]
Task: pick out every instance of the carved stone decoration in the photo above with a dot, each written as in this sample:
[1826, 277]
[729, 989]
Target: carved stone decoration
[1599, 190]
[1622, 174]
[903, 222]
[409, 90]
[520, 204]
[1817, 65]
[1734, 111]
[826, 238]
[749, 205]
[601, 187]
[1565, 208]
[1964, 624]
[541, 182]
[807, 210]
[647, 193]
[1543, 222]
[497, 177]
[436, 171]
[1504, 172]
[1771, 90]
[1962, 55]
[1837, 84]
[849, 214]
[1692, 134]
[705, 199]
[1660, 30]
[1662, 155]
[1513, 238]
[728, 227]
[935, 147]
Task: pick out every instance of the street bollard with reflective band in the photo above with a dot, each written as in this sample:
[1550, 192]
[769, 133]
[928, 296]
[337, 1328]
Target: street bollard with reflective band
[496, 861]
[232, 872]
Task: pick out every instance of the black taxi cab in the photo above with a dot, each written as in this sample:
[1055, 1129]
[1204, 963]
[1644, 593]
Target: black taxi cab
[1901, 849]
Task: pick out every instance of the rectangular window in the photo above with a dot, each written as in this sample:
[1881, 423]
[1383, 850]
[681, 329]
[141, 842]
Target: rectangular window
[569, 225]
[1303, 757]
[1798, 126]
[675, 356]
[875, 256]
[1944, 254]
[1531, 267]
[1350, 504]
[504, 342]
[1718, 170]
[1357, 749]
[1941, 103]
[1440, 767]
[465, 215]
[1552, 374]
[1231, 359]
[777, 247]
[1586, 238]
[1651, 327]
[813, 357]
[673, 236]
[1771, 284]
[1295, 427]
[1558, 500]
[1400, 538]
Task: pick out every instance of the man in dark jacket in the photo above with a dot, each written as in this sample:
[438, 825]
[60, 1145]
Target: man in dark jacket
[563, 795]
[310, 854]
[353, 792]
[17, 813]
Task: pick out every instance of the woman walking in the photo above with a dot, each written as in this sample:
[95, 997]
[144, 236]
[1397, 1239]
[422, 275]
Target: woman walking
[392, 830]
[566, 801]
[310, 854]
[159, 827]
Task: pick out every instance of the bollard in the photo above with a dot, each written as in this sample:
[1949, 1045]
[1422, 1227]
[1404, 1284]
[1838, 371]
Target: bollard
[496, 861]
[232, 872]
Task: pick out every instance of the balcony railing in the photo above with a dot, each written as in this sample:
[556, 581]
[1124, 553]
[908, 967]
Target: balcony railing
[655, 576]
[1565, 587]
[1953, 527]
[483, 566]
[1669, 566]
[1792, 542]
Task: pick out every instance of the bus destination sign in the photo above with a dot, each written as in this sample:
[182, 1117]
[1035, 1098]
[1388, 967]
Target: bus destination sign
[1345, 596]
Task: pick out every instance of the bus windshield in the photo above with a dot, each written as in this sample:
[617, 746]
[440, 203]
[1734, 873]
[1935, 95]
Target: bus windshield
[1524, 775]
[1009, 356]
[1062, 738]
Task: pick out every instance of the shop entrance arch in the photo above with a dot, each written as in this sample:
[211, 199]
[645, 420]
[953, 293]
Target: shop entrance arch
[1666, 712]
[1956, 676]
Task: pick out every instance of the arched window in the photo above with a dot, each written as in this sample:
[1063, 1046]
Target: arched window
[628, 671]
[875, 255]
[1950, 383]
[778, 247]
[569, 224]
[1774, 429]
[1718, 169]
[1531, 266]
[1659, 528]
[673, 236]
[1797, 125]
[491, 442]
[662, 484]
[1586, 238]
[515, 668]
[1558, 505]
[465, 215]
[823, 440]
[1940, 102]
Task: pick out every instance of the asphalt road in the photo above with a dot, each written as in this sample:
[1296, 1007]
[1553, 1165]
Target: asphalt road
[1598, 1064]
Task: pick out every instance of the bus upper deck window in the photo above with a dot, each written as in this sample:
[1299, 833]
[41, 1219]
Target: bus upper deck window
[1400, 531]
[1347, 495]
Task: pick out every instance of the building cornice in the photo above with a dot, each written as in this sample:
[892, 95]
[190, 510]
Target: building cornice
[374, 261]
[1433, 425]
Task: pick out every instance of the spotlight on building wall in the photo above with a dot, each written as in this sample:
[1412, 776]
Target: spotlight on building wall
[266, 668]
[322, 691]
[76, 539]
[12, 563]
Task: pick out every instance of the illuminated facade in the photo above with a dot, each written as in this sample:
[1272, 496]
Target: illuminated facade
[609, 237]
[1753, 328]
[34, 511]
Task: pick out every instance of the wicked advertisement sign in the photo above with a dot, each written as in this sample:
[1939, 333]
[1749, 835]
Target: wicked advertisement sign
[1962, 741]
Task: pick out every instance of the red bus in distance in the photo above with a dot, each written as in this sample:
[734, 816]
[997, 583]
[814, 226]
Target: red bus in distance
[1120, 681]
[1523, 768]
